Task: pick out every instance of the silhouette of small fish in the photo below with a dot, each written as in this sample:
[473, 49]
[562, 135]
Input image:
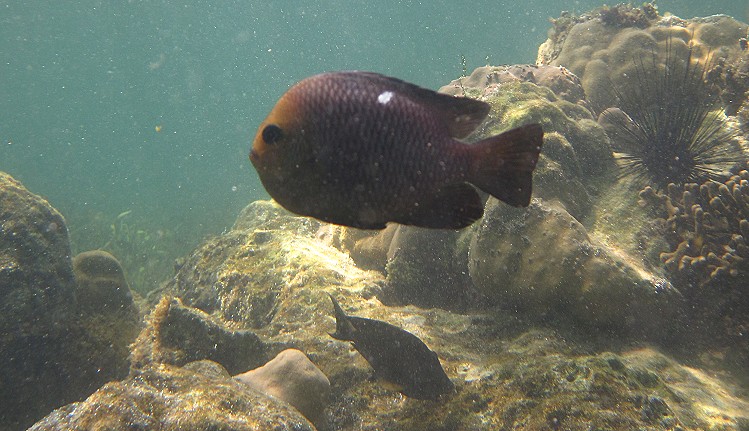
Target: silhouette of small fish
[398, 358]
[362, 149]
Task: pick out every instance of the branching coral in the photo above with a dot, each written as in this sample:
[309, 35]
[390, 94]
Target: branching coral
[707, 228]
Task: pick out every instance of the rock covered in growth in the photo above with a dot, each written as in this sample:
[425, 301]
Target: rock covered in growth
[233, 276]
[603, 47]
[36, 303]
[170, 398]
[36, 277]
[547, 263]
[426, 267]
[576, 158]
[505, 372]
[293, 378]
[177, 334]
[484, 79]
[51, 352]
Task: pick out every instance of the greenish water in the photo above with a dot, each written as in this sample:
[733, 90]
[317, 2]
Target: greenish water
[135, 118]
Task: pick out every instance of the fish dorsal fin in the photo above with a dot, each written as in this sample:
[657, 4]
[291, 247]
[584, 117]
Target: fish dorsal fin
[461, 115]
[344, 330]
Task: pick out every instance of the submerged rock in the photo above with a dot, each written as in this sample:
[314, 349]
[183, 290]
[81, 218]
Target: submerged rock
[293, 378]
[541, 260]
[164, 397]
[101, 283]
[177, 335]
[234, 276]
[51, 352]
[426, 267]
[37, 300]
[601, 47]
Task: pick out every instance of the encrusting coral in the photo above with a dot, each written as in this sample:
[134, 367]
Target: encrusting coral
[600, 46]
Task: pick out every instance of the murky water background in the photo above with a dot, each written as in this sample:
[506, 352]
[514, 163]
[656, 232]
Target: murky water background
[134, 118]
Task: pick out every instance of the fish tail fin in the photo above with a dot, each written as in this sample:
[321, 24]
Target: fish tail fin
[502, 165]
[344, 330]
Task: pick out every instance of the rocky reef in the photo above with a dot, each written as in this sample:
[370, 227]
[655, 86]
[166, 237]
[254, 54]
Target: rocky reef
[199, 396]
[601, 47]
[597, 307]
[508, 370]
[61, 340]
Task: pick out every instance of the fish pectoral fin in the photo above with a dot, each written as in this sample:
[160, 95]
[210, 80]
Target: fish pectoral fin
[454, 206]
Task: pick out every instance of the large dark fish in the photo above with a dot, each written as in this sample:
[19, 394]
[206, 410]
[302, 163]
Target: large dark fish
[398, 357]
[361, 149]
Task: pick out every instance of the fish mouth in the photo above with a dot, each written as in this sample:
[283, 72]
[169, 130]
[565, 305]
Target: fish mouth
[254, 156]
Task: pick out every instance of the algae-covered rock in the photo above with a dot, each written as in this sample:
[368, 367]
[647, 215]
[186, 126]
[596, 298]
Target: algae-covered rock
[541, 260]
[506, 369]
[170, 398]
[52, 352]
[233, 276]
[37, 300]
[177, 335]
[426, 267]
[576, 159]
[558, 79]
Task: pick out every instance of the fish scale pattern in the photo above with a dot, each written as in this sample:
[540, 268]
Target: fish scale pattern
[389, 142]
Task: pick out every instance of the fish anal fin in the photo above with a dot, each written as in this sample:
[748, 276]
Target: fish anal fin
[503, 165]
[454, 206]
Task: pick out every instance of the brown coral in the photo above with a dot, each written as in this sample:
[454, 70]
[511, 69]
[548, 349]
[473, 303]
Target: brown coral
[708, 228]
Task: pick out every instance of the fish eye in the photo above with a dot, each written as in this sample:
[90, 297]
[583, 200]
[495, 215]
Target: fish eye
[271, 134]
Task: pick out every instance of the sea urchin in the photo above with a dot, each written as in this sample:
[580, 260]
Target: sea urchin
[669, 127]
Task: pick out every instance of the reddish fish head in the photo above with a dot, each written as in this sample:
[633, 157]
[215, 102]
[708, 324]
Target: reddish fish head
[277, 148]
[275, 134]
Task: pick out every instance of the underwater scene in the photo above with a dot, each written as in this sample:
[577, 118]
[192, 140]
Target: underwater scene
[393, 215]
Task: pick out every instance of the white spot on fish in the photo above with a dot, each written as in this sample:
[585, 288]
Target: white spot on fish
[385, 97]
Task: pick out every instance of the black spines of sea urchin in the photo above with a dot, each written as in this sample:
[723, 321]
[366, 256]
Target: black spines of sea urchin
[672, 129]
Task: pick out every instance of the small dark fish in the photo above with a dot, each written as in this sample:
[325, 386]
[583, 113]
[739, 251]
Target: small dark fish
[398, 357]
[362, 149]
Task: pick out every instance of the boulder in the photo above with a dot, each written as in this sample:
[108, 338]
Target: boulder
[293, 378]
[542, 260]
[171, 398]
[52, 352]
[101, 284]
